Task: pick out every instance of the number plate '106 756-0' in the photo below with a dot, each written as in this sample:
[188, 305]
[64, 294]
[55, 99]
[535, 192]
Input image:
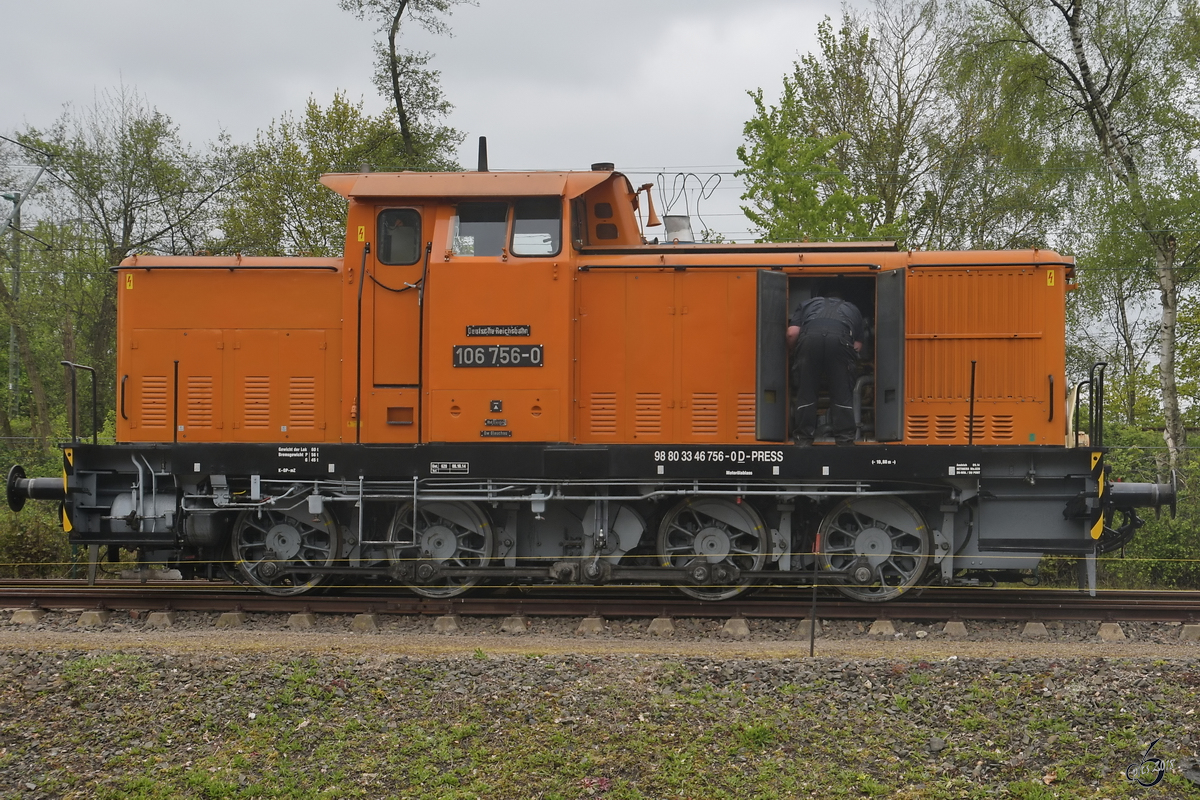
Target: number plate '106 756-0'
[498, 355]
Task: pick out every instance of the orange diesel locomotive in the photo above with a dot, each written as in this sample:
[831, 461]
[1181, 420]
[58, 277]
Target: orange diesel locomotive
[502, 380]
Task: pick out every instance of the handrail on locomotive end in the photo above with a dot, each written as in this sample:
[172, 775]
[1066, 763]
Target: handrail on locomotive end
[1121, 496]
[75, 401]
[18, 487]
[1096, 404]
[1095, 386]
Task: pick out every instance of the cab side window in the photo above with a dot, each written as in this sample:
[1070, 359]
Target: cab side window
[399, 236]
[478, 229]
[537, 226]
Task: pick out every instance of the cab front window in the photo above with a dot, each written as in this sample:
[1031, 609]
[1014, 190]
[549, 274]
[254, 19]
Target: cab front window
[478, 229]
[537, 226]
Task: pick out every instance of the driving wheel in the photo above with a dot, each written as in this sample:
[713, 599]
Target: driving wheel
[272, 547]
[454, 534]
[882, 542]
[713, 541]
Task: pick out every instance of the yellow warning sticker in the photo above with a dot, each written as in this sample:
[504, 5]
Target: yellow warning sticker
[1049, 277]
[128, 280]
[362, 233]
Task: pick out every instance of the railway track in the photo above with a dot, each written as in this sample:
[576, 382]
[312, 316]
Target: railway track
[930, 604]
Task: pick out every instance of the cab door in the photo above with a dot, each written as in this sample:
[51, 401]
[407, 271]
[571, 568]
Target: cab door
[393, 301]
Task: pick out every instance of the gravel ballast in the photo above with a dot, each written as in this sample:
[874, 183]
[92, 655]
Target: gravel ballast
[621, 629]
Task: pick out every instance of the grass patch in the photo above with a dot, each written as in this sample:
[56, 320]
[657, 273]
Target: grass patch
[624, 728]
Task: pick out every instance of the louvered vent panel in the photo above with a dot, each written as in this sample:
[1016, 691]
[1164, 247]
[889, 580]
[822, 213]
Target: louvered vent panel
[647, 414]
[977, 430]
[604, 413]
[945, 426]
[704, 414]
[256, 402]
[1002, 427]
[745, 415]
[154, 401]
[199, 401]
[918, 427]
[302, 405]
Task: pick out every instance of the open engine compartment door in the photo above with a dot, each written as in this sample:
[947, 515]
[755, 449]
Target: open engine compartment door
[889, 356]
[771, 403]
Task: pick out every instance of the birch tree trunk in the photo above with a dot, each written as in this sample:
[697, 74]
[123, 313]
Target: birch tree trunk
[1132, 48]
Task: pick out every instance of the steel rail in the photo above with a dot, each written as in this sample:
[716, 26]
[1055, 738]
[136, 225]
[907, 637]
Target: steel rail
[927, 605]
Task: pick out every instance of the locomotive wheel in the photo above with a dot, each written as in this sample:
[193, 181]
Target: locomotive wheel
[881, 539]
[264, 541]
[446, 534]
[707, 534]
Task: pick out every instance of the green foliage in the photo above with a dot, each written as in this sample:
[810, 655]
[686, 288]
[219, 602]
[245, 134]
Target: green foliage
[999, 178]
[1165, 552]
[1113, 319]
[885, 123]
[1189, 356]
[66, 312]
[33, 544]
[130, 177]
[805, 170]
[1030, 790]
[279, 206]
[1115, 82]
[405, 79]
[795, 194]
[433, 143]
[756, 737]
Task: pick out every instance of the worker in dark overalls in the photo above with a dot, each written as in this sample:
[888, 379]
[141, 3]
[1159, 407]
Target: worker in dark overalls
[825, 335]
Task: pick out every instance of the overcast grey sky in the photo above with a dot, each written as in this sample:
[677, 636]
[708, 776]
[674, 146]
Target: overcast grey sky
[554, 84]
